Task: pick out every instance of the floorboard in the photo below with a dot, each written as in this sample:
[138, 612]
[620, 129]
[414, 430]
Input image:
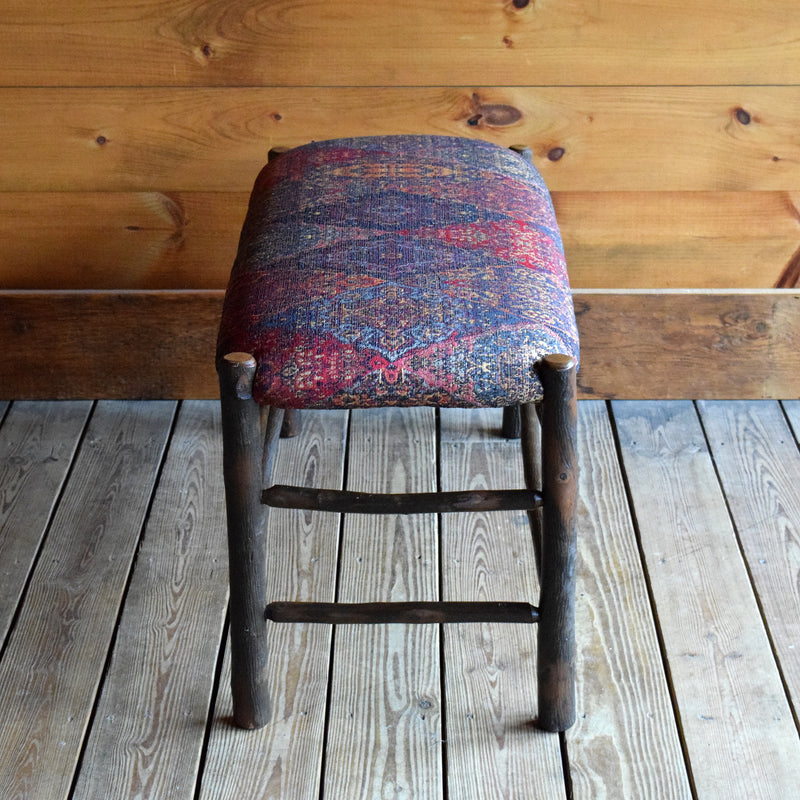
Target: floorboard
[625, 742]
[114, 663]
[494, 749]
[56, 653]
[38, 441]
[734, 714]
[283, 760]
[759, 467]
[384, 736]
[171, 626]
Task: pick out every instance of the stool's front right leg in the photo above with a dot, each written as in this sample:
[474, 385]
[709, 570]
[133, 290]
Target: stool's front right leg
[556, 651]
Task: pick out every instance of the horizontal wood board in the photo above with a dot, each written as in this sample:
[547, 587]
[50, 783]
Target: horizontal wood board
[132, 131]
[285, 42]
[584, 138]
[634, 345]
[187, 240]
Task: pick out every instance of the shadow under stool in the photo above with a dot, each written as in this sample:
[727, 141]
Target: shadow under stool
[400, 271]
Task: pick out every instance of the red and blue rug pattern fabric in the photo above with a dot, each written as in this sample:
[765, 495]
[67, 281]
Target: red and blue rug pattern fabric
[398, 270]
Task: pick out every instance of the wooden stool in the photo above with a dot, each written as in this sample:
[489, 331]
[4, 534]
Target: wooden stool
[400, 271]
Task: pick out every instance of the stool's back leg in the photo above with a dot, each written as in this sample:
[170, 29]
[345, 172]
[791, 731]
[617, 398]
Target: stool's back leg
[511, 423]
[242, 466]
[531, 440]
[556, 635]
[291, 423]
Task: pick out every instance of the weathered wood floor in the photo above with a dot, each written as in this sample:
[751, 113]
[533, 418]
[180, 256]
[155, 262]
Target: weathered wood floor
[113, 674]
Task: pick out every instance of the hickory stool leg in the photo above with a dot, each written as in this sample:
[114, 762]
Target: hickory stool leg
[245, 460]
[531, 441]
[511, 422]
[556, 634]
[291, 423]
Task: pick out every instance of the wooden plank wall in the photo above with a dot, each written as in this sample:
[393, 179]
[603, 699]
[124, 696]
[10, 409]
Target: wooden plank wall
[667, 130]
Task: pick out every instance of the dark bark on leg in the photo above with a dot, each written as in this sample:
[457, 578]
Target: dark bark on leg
[556, 652]
[242, 466]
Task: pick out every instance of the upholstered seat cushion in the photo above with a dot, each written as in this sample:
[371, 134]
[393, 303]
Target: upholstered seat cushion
[400, 270]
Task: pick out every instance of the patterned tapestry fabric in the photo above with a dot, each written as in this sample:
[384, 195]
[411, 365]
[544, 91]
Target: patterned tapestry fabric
[400, 270]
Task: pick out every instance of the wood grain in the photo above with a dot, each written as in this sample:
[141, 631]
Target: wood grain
[152, 345]
[678, 240]
[686, 345]
[132, 131]
[759, 468]
[678, 138]
[494, 749]
[119, 240]
[634, 345]
[734, 715]
[622, 240]
[167, 640]
[71, 607]
[384, 729]
[625, 742]
[282, 760]
[352, 43]
[37, 444]
[250, 442]
[792, 410]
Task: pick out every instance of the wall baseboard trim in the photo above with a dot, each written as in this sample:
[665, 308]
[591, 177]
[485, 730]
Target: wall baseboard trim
[635, 345]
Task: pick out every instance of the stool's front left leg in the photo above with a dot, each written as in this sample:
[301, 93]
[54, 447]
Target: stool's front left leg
[242, 467]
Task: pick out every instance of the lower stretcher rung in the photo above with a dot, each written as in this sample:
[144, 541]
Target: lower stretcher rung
[414, 613]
